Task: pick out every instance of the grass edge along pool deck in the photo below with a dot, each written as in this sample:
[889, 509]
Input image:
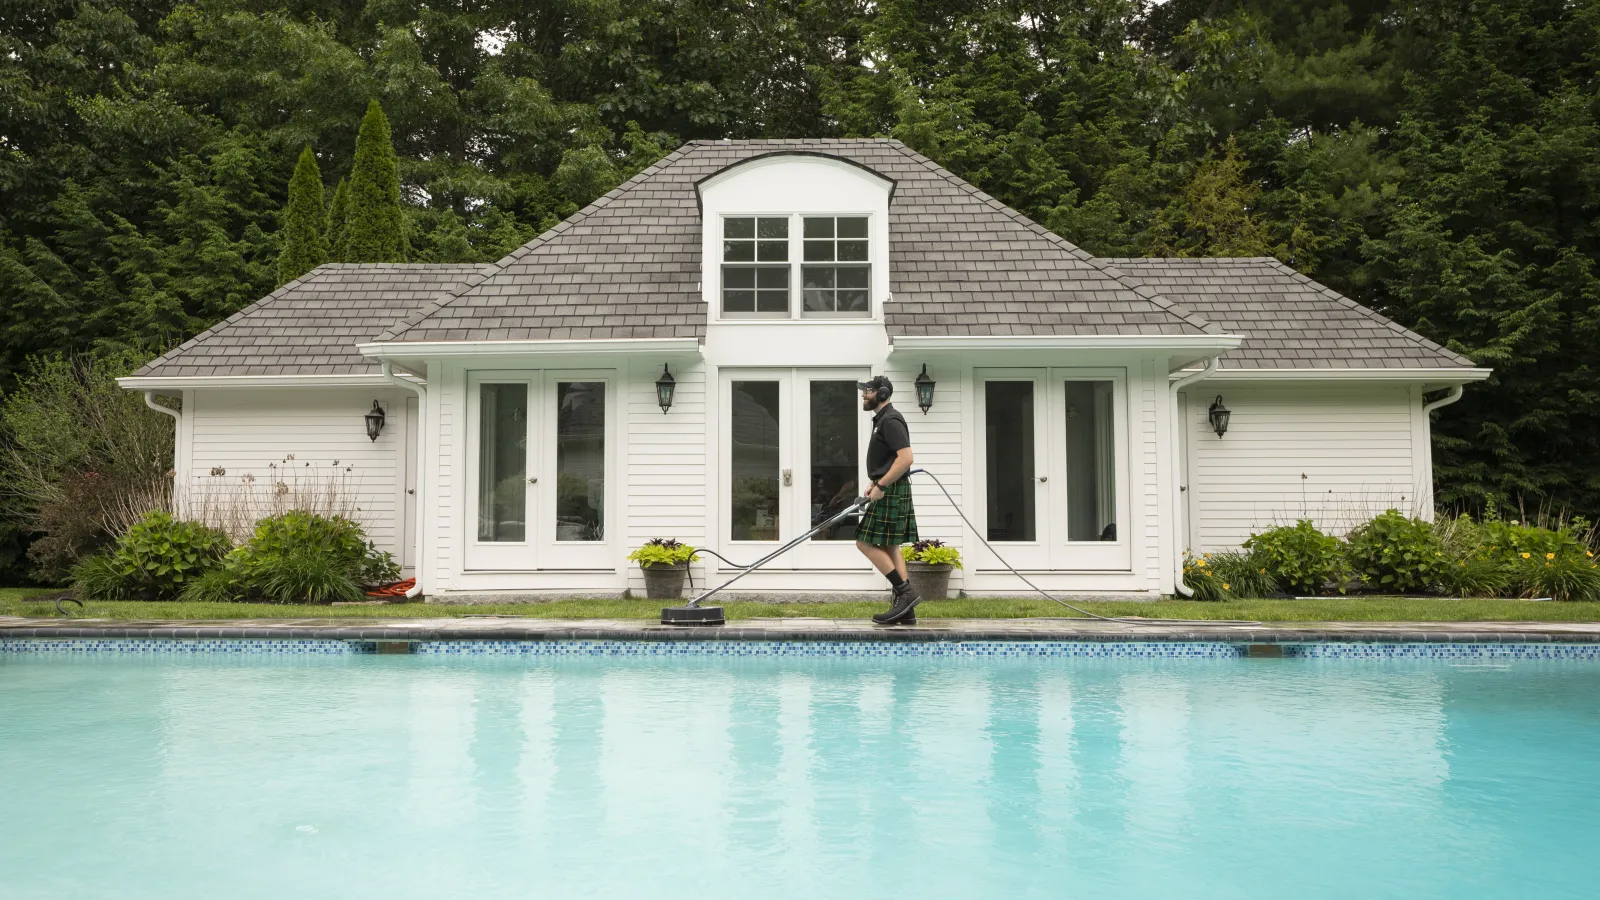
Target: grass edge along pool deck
[806, 630]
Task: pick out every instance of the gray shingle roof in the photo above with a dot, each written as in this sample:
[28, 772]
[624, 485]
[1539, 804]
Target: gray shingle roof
[1287, 320]
[310, 326]
[960, 262]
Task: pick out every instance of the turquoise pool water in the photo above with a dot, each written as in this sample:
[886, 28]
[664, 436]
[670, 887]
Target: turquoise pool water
[720, 778]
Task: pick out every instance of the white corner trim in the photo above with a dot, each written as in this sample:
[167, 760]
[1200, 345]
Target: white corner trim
[1203, 342]
[443, 349]
[157, 383]
[1443, 376]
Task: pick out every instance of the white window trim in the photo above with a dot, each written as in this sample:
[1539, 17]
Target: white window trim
[796, 313]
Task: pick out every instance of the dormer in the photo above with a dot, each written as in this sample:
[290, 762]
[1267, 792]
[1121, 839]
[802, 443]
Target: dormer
[795, 237]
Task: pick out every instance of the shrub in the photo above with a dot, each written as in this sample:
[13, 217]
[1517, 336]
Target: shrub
[81, 459]
[1243, 574]
[1472, 567]
[1396, 553]
[299, 557]
[663, 552]
[1299, 558]
[154, 560]
[934, 552]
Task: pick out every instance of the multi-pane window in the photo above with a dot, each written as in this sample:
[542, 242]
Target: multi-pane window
[836, 273]
[755, 265]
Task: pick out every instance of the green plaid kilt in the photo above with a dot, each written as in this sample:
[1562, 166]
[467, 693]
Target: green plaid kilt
[891, 521]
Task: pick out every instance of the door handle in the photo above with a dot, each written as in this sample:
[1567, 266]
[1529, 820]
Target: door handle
[533, 480]
[788, 477]
[1043, 478]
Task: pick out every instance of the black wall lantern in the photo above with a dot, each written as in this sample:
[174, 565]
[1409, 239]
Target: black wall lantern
[1219, 416]
[374, 419]
[924, 390]
[665, 385]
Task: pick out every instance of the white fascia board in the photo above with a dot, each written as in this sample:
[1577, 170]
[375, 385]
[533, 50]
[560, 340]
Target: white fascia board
[156, 383]
[1441, 375]
[1198, 342]
[449, 349]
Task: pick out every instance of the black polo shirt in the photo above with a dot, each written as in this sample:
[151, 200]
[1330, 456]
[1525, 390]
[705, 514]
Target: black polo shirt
[889, 437]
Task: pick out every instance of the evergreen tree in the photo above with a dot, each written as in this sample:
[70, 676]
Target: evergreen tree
[338, 218]
[305, 221]
[1215, 214]
[375, 223]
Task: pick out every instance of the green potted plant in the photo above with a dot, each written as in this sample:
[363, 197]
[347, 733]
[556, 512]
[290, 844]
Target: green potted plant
[664, 562]
[928, 565]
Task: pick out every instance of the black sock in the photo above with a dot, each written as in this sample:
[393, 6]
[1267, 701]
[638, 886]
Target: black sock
[894, 578]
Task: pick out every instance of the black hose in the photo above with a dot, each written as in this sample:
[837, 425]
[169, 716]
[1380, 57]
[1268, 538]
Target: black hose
[61, 600]
[1046, 594]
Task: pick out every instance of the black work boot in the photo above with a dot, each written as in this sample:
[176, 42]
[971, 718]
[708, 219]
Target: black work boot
[905, 604]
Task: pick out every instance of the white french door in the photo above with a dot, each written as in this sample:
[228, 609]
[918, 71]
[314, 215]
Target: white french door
[791, 446]
[540, 444]
[1053, 458]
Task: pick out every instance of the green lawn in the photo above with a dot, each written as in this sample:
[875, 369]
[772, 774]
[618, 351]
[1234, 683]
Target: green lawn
[15, 602]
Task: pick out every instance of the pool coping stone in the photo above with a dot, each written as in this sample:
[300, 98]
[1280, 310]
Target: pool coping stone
[804, 629]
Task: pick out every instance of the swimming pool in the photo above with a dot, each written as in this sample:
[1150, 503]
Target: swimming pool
[717, 777]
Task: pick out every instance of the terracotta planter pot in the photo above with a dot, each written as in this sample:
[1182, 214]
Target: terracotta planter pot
[932, 582]
[664, 582]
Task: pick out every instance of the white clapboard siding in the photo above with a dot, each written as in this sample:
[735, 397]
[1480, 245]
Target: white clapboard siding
[239, 432]
[1360, 451]
[1148, 400]
[666, 456]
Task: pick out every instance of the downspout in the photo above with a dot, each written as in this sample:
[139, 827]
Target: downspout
[1450, 397]
[1177, 470]
[422, 472]
[177, 429]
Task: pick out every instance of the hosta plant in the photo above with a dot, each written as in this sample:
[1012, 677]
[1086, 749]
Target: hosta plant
[155, 559]
[1397, 554]
[1301, 559]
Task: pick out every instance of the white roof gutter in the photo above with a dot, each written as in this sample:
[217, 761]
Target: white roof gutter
[445, 349]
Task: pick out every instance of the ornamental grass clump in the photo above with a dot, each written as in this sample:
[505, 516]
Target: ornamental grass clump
[155, 559]
[1396, 554]
[1227, 575]
[1300, 558]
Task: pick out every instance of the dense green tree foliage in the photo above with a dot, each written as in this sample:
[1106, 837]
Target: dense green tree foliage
[1437, 161]
[374, 221]
[304, 233]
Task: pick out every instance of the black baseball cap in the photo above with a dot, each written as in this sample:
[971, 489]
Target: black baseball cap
[882, 385]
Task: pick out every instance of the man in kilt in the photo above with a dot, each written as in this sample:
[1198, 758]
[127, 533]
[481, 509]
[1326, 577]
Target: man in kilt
[890, 521]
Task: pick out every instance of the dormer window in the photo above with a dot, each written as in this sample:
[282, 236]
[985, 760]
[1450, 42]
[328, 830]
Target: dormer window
[767, 259]
[841, 286]
[755, 266]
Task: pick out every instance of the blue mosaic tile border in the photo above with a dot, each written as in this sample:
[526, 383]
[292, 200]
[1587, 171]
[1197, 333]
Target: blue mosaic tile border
[1377, 650]
[182, 647]
[812, 649]
[841, 649]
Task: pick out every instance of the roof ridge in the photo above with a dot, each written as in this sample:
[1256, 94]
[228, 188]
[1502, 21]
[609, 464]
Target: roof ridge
[1155, 297]
[433, 306]
[1370, 313]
